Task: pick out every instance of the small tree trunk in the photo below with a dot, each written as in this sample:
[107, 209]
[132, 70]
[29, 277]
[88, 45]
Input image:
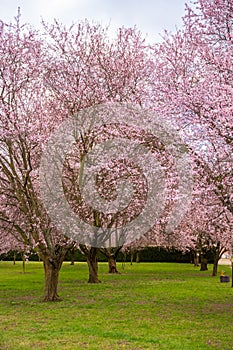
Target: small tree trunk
[232, 273]
[204, 264]
[14, 257]
[196, 262]
[111, 254]
[218, 252]
[124, 260]
[195, 258]
[51, 269]
[112, 265]
[215, 267]
[131, 257]
[92, 262]
[23, 258]
[138, 257]
[72, 256]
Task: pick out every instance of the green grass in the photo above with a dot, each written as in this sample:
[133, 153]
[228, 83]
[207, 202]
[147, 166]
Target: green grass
[148, 306]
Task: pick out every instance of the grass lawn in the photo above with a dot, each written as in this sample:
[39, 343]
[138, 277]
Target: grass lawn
[147, 306]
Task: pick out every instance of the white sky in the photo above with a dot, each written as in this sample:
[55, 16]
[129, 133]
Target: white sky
[150, 16]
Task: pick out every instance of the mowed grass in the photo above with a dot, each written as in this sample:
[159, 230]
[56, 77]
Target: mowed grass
[147, 306]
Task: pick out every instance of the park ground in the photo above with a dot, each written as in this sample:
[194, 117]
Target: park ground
[148, 306]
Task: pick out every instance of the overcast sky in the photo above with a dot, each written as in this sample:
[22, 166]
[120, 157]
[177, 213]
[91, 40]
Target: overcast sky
[150, 16]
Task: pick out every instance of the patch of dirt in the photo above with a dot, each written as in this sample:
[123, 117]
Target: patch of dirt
[218, 309]
[214, 343]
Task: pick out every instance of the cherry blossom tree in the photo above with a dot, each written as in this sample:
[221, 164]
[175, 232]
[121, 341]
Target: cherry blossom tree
[8, 242]
[26, 120]
[210, 226]
[192, 87]
[206, 226]
[88, 70]
[193, 83]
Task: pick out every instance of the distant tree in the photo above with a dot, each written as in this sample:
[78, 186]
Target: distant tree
[111, 254]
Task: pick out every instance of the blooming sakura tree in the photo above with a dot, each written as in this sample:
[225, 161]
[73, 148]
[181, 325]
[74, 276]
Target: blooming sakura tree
[209, 225]
[8, 242]
[93, 71]
[192, 86]
[193, 82]
[25, 124]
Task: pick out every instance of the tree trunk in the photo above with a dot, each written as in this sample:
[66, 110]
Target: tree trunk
[215, 267]
[112, 265]
[51, 269]
[14, 258]
[196, 262]
[218, 252]
[52, 257]
[232, 273]
[111, 254]
[23, 259]
[72, 252]
[195, 258]
[123, 261]
[131, 257]
[204, 263]
[92, 262]
[138, 257]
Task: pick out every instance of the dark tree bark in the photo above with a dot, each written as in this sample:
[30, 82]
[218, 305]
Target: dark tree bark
[232, 273]
[124, 260]
[215, 267]
[52, 260]
[218, 252]
[204, 264]
[196, 261]
[51, 270]
[138, 256]
[72, 252]
[111, 254]
[195, 258]
[131, 256]
[92, 262]
[112, 268]
[23, 265]
[14, 258]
